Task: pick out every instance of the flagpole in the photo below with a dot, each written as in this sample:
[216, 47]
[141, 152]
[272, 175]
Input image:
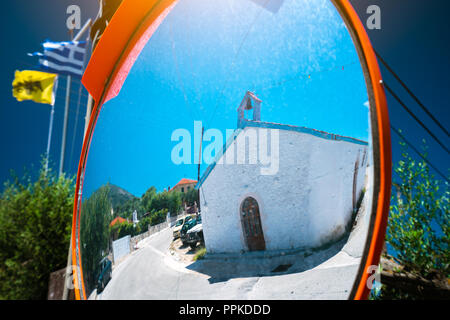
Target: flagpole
[52, 112]
[66, 109]
[66, 118]
[50, 126]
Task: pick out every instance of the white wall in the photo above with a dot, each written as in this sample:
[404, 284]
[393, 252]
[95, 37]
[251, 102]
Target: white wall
[121, 247]
[307, 203]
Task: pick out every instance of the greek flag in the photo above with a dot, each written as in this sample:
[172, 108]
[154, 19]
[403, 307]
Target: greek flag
[63, 57]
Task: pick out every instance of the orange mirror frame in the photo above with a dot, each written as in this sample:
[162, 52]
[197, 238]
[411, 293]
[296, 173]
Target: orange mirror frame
[120, 45]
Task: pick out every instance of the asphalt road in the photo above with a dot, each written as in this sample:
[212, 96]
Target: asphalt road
[152, 272]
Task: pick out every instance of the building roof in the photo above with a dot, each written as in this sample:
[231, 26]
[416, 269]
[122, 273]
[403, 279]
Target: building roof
[272, 125]
[118, 220]
[185, 181]
[314, 132]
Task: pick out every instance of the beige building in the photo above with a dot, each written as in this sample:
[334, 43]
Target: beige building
[184, 185]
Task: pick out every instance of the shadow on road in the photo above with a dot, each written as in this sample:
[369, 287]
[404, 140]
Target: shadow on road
[223, 267]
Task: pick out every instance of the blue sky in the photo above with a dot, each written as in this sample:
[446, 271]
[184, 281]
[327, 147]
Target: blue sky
[412, 40]
[198, 65]
[24, 25]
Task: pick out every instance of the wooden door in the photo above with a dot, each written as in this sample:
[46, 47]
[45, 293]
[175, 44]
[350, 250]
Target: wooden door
[251, 225]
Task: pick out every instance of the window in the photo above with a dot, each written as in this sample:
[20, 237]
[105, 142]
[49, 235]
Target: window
[179, 223]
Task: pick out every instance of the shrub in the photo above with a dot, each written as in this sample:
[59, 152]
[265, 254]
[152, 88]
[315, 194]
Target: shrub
[35, 224]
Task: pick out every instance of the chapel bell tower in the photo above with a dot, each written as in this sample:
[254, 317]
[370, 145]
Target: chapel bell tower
[249, 102]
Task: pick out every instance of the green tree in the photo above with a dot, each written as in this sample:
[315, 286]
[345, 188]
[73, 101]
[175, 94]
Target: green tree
[126, 209]
[35, 224]
[158, 217]
[175, 202]
[190, 197]
[114, 231]
[144, 223]
[125, 229]
[94, 233]
[418, 232]
[147, 199]
[167, 200]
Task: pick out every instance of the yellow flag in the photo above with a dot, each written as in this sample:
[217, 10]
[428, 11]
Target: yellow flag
[34, 85]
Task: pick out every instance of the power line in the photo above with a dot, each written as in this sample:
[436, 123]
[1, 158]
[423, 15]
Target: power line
[415, 117]
[398, 132]
[412, 94]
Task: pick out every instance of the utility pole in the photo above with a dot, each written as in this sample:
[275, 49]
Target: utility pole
[198, 170]
[200, 156]
[66, 109]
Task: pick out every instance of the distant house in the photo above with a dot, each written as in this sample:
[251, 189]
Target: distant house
[118, 220]
[307, 202]
[184, 185]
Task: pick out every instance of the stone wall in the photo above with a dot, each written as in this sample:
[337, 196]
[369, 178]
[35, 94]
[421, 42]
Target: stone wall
[152, 230]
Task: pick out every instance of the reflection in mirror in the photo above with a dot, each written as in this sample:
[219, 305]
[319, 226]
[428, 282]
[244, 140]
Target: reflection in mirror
[235, 163]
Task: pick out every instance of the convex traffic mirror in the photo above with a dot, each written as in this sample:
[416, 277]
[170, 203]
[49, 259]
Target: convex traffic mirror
[237, 150]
